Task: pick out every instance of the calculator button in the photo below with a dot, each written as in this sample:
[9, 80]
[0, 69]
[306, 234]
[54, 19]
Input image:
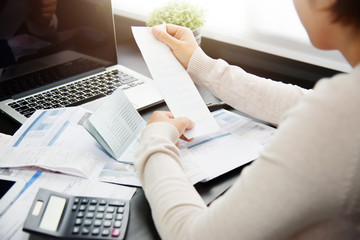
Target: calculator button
[76, 230]
[110, 209]
[85, 231]
[101, 209]
[117, 203]
[103, 202]
[74, 207]
[90, 215]
[78, 221]
[115, 232]
[82, 207]
[97, 223]
[80, 214]
[119, 216]
[87, 222]
[107, 223]
[84, 201]
[117, 224]
[93, 201]
[95, 231]
[99, 215]
[91, 208]
[120, 210]
[105, 232]
[109, 216]
[76, 200]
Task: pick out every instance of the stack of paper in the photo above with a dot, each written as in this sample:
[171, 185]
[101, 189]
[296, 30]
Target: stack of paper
[52, 140]
[56, 140]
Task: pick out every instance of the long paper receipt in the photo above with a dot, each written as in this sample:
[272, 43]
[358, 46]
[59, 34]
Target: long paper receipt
[175, 84]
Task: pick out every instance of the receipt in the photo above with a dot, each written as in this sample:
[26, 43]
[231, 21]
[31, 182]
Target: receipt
[174, 83]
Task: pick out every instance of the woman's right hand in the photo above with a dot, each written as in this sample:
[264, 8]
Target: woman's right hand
[181, 123]
[181, 41]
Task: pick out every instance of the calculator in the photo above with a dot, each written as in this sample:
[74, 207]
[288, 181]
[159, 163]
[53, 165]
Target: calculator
[77, 217]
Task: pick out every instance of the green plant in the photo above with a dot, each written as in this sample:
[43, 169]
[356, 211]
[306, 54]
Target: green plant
[179, 13]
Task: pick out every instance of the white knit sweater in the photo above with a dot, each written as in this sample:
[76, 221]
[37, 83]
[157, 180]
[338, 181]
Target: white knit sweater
[304, 185]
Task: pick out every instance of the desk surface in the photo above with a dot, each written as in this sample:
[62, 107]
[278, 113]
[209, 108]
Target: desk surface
[141, 225]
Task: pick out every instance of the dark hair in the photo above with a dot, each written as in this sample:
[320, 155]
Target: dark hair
[347, 12]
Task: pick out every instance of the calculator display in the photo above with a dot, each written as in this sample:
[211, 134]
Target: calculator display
[53, 212]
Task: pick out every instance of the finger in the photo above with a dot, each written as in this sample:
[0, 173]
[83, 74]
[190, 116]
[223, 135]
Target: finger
[170, 115]
[162, 116]
[182, 124]
[188, 124]
[186, 139]
[164, 37]
[172, 29]
[166, 114]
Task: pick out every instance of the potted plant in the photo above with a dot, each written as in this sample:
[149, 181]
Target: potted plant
[180, 13]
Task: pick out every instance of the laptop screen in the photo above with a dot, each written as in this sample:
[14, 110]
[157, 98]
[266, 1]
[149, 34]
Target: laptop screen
[53, 43]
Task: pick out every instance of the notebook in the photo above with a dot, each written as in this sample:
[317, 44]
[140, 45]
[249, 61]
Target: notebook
[70, 61]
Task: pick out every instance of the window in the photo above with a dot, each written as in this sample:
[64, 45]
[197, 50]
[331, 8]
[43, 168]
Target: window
[269, 26]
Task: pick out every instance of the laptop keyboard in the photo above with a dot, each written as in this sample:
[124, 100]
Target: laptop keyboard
[76, 93]
[49, 75]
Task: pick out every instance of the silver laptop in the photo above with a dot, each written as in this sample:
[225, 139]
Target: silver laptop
[72, 61]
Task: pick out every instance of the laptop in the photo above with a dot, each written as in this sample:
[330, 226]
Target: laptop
[71, 61]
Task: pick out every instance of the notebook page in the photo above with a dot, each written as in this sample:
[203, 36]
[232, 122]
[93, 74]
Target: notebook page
[117, 122]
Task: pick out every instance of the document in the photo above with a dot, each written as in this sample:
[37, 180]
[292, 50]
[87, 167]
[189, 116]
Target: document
[238, 142]
[42, 142]
[175, 84]
[115, 125]
[120, 173]
[55, 140]
[71, 162]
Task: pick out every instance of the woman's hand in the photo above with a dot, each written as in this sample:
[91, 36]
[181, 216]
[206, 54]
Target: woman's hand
[181, 41]
[181, 123]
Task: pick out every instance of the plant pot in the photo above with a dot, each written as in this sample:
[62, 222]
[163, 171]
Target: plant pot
[197, 35]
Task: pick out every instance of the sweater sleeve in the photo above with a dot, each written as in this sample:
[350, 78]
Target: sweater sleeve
[171, 196]
[259, 97]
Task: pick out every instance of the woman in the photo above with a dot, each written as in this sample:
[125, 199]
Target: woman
[306, 182]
